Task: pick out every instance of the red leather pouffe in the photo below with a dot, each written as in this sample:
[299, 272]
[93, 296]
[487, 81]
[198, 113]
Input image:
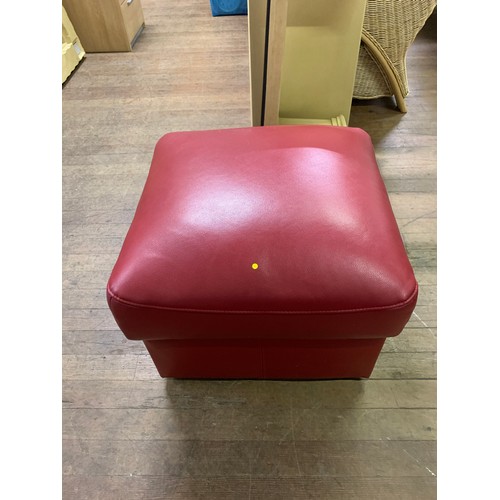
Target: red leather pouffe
[263, 252]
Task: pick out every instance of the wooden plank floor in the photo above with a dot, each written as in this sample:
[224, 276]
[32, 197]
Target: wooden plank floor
[127, 434]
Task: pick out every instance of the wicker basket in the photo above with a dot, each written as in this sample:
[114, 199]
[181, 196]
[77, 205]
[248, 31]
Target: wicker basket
[389, 28]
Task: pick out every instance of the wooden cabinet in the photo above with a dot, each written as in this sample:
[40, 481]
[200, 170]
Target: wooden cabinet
[106, 25]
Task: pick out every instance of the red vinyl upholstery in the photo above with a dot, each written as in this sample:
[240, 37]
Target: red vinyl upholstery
[257, 235]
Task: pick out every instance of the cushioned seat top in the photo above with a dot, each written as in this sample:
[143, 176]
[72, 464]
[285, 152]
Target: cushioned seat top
[263, 231]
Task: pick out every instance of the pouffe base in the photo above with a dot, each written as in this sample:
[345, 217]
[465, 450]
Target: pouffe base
[265, 359]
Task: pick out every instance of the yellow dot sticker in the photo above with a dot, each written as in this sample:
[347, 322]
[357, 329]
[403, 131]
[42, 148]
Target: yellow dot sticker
[255, 265]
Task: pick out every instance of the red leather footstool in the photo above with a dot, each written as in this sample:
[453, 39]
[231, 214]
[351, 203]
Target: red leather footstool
[264, 252]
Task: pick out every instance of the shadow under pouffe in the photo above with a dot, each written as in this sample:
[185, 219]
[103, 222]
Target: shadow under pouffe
[263, 252]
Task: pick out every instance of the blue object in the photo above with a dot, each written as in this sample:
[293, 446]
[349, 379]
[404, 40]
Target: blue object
[228, 7]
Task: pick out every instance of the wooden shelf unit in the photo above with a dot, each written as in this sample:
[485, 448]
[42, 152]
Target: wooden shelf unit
[106, 25]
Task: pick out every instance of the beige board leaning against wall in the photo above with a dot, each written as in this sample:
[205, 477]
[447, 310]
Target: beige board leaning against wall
[72, 50]
[308, 72]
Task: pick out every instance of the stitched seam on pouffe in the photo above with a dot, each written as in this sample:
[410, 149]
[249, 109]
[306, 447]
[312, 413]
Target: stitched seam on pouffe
[399, 305]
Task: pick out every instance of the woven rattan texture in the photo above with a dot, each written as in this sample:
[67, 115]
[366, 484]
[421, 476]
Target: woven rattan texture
[394, 24]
